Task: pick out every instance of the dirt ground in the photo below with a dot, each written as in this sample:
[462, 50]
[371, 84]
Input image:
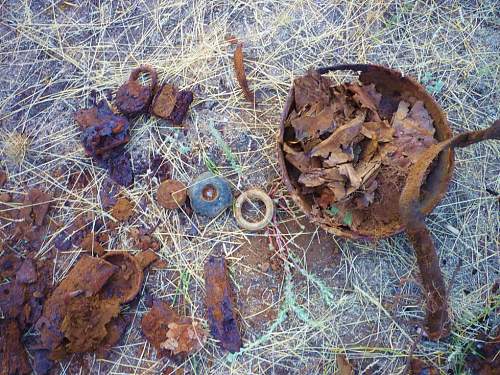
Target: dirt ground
[304, 296]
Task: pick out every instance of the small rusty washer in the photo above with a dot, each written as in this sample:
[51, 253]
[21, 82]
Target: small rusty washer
[249, 195]
[132, 98]
[171, 194]
[210, 195]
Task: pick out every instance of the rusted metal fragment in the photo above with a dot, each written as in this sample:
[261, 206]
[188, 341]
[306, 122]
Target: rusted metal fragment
[132, 98]
[13, 358]
[413, 217]
[420, 367]
[11, 299]
[126, 281]
[171, 335]
[171, 194]
[171, 104]
[115, 329]
[239, 67]
[106, 133]
[85, 320]
[220, 302]
[86, 278]
[486, 357]
[146, 257]
[31, 218]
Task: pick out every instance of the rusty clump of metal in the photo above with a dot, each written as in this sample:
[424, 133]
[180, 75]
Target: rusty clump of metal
[413, 217]
[220, 302]
[133, 98]
[425, 183]
[392, 88]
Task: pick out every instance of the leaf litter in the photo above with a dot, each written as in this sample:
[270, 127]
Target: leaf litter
[351, 152]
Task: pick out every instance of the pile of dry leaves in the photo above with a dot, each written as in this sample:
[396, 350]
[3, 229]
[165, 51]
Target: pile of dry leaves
[352, 149]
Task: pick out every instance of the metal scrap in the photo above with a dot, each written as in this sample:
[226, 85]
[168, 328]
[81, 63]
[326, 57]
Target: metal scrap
[132, 98]
[221, 306]
[413, 217]
[239, 68]
[171, 335]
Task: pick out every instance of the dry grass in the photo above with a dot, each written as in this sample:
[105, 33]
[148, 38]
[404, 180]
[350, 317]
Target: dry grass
[53, 53]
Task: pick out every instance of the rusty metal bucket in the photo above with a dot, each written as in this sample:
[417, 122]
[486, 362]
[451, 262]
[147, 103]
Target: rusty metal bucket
[390, 83]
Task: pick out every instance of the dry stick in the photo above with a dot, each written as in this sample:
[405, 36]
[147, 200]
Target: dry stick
[437, 320]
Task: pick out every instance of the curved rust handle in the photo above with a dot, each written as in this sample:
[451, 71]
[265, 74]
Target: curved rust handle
[437, 325]
[145, 69]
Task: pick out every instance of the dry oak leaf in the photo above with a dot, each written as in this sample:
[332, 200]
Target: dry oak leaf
[312, 88]
[313, 123]
[299, 159]
[366, 96]
[319, 176]
[381, 131]
[342, 136]
[123, 209]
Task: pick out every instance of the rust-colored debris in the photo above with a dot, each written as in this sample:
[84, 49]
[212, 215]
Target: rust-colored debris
[171, 335]
[351, 159]
[82, 314]
[345, 150]
[9, 264]
[145, 258]
[132, 98]
[171, 104]
[126, 281]
[3, 178]
[123, 209]
[143, 239]
[31, 221]
[437, 321]
[420, 367]
[486, 357]
[91, 244]
[13, 357]
[86, 279]
[85, 321]
[171, 194]
[102, 130]
[344, 366]
[21, 302]
[104, 134]
[220, 302]
[239, 68]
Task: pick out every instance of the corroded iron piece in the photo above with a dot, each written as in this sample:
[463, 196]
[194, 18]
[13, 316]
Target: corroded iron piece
[413, 217]
[394, 87]
[220, 302]
[132, 98]
[126, 282]
[171, 104]
[102, 130]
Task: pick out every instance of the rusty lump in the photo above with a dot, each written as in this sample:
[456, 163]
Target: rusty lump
[132, 98]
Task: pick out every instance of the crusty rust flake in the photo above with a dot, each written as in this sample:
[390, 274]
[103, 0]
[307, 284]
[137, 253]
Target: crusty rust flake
[220, 302]
[171, 335]
[239, 67]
